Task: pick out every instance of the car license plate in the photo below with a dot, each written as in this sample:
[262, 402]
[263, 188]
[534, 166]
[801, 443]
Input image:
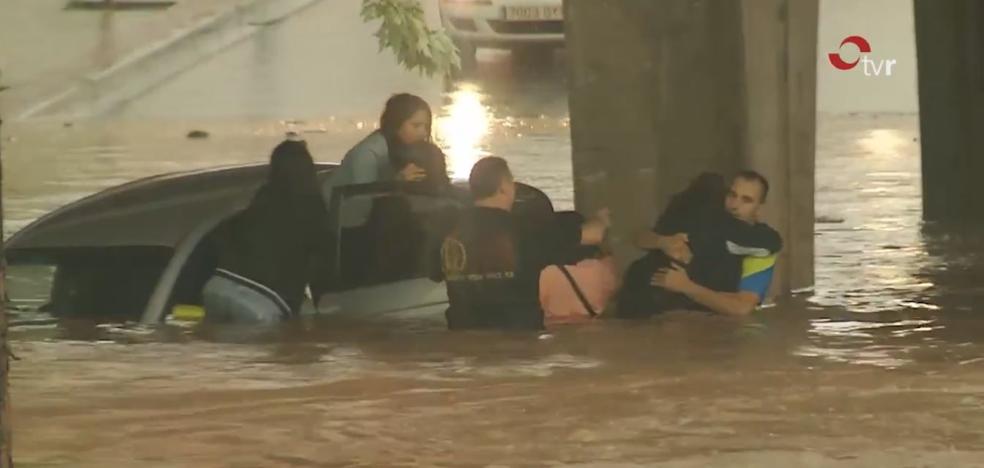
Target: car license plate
[534, 13]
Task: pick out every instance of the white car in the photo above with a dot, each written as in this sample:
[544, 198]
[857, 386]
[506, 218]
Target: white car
[513, 24]
[142, 251]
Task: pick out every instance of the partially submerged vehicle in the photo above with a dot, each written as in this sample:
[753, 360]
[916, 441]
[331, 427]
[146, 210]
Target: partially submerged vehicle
[141, 250]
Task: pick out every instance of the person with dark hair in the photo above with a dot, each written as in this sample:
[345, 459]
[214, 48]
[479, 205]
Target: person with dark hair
[405, 120]
[429, 158]
[269, 252]
[707, 251]
[492, 259]
[665, 244]
[754, 176]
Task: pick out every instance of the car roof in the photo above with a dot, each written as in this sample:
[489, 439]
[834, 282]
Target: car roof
[159, 211]
[155, 211]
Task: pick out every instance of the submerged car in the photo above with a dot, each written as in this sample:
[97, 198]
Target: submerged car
[140, 251]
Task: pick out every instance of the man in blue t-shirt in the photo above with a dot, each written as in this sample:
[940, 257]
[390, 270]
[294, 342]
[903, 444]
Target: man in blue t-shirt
[749, 247]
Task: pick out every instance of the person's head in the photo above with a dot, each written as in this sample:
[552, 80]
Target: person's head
[491, 183]
[428, 157]
[708, 188]
[748, 192]
[406, 119]
[292, 170]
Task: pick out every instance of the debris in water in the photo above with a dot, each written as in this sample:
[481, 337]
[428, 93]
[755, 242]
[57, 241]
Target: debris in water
[828, 220]
[198, 134]
[807, 289]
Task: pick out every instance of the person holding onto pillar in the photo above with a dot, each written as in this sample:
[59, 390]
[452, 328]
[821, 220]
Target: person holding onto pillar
[708, 251]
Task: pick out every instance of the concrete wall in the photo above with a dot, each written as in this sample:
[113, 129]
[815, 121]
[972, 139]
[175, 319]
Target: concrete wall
[660, 91]
[950, 45]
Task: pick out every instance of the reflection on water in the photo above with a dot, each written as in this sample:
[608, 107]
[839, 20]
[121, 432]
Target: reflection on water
[463, 129]
[884, 353]
[883, 142]
[868, 180]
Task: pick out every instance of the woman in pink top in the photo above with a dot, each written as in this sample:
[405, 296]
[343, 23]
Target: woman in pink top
[596, 278]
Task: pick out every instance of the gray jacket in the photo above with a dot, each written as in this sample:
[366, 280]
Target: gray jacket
[367, 162]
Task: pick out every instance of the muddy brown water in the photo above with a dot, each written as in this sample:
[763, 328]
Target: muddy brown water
[882, 364]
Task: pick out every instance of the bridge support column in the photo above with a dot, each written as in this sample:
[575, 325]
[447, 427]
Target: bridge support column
[950, 48]
[660, 91]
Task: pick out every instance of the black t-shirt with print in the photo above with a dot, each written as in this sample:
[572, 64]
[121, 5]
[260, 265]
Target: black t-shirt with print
[491, 263]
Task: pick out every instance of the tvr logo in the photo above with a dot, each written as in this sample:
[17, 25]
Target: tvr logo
[881, 67]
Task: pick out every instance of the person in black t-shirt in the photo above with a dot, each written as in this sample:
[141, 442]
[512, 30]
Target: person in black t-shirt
[491, 261]
[698, 249]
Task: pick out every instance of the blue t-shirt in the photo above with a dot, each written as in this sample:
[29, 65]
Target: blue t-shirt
[756, 275]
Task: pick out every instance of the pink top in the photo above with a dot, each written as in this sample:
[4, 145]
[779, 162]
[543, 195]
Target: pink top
[598, 280]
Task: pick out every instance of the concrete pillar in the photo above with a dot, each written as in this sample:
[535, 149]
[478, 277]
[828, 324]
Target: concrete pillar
[660, 91]
[950, 49]
[780, 40]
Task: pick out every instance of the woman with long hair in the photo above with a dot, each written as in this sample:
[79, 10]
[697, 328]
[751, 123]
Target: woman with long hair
[268, 253]
[406, 120]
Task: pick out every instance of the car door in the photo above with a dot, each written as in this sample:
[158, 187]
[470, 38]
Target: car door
[387, 239]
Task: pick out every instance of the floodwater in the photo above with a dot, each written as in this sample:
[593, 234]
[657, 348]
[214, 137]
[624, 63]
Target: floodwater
[881, 365]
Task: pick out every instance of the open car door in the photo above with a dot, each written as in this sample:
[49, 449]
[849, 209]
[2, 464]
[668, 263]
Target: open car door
[387, 239]
[387, 245]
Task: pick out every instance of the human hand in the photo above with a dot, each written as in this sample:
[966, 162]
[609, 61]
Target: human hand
[411, 173]
[604, 216]
[677, 247]
[674, 278]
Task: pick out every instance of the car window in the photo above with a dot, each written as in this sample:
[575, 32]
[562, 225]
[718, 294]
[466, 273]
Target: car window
[112, 283]
[28, 289]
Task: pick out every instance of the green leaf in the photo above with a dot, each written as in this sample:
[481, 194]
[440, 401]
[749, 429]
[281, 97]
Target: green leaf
[404, 31]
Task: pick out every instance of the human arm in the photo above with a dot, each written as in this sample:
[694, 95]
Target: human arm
[411, 173]
[675, 246]
[365, 168]
[669, 233]
[675, 278]
[594, 229]
[365, 160]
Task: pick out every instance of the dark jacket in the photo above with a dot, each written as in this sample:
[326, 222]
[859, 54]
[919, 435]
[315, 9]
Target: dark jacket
[281, 238]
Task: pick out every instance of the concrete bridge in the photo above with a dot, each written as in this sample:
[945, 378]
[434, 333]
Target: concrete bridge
[662, 90]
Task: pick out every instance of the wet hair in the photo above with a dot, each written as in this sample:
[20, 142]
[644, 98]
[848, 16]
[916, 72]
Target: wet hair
[428, 157]
[704, 194]
[487, 175]
[292, 171]
[749, 174]
[399, 108]
[707, 187]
